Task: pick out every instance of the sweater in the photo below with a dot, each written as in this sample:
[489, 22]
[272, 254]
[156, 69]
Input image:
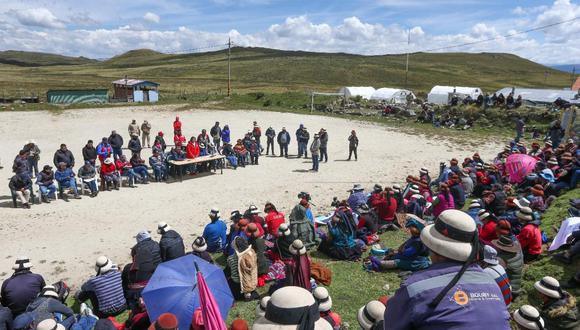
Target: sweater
[499, 275]
[215, 235]
[108, 289]
[20, 289]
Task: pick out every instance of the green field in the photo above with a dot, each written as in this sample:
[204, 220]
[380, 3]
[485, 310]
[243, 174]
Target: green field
[272, 71]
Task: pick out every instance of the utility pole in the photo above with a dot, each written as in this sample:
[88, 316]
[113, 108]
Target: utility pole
[407, 65]
[229, 67]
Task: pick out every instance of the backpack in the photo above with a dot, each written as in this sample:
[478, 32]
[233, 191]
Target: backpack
[62, 289]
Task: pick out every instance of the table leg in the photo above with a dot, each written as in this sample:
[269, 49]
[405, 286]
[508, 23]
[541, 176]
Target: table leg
[181, 173]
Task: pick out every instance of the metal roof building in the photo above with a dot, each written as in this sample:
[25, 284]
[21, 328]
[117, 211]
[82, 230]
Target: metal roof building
[135, 90]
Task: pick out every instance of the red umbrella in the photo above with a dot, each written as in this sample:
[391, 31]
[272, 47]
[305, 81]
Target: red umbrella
[212, 318]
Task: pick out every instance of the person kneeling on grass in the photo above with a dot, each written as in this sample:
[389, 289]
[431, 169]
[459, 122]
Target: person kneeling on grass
[110, 174]
[88, 174]
[413, 255]
[66, 179]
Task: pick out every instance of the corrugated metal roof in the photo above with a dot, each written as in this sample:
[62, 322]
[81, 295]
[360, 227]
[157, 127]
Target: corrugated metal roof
[132, 82]
[539, 95]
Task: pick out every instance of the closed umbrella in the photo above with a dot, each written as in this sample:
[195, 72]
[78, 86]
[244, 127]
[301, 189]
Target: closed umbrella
[212, 318]
[173, 288]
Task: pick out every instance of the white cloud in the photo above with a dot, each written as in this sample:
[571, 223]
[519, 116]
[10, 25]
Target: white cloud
[40, 17]
[151, 18]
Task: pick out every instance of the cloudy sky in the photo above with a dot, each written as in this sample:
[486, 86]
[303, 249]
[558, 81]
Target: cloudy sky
[104, 28]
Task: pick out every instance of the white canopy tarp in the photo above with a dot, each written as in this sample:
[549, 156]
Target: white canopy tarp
[441, 94]
[364, 92]
[539, 95]
[392, 95]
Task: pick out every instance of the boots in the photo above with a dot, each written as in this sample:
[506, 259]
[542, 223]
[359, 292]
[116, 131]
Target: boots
[64, 197]
[45, 199]
[116, 184]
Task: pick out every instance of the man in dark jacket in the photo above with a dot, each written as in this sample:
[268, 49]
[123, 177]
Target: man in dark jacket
[216, 133]
[283, 142]
[116, 142]
[45, 181]
[63, 155]
[47, 304]
[323, 135]
[21, 165]
[270, 135]
[21, 186]
[135, 145]
[90, 153]
[171, 244]
[22, 287]
[302, 137]
[146, 256]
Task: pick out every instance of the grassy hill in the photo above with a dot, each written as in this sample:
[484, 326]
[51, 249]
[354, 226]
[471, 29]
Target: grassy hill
[32, 59]
[276, 71]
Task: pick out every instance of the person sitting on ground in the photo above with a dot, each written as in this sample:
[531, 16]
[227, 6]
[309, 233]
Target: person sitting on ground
[146, 256]
[528, 318]
[242, 271]
[491, 266]
[558, 309]
[510, 256]
[171, 244]
[104, 290]
[157, 162]
[199, 249]
[21, 186]
[385, 205]
[88, 175]
[63, 155]
[137, 319]
[340, 243]
[444, 200]
[237, 228]
[301, 226]
[530, 237]
[453, 244]
[537, 198]
[214, 232]
[66, 179]
[47, 304]
[126, 169]
[22, 287]
[367, 221]
[371, 316]
[90, 153]
[140, 168]
[104, 150]
[357, 197]
[253, 216]
[284, 239]
[273, 220]
[45, 182]
[324, 301]
[299, 270]
[259, 245]
[457, 191]
[110, 175]
[487, 232]
[412, 255]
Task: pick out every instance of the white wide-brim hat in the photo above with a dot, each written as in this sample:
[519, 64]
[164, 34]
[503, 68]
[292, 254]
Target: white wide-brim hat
[527, 316]
[199, 244]
[22, 263]
[163, 227]
[525, 213]
[261, 307]
[522, 202]
[324, 300]
[549, 286]
[297, 247]
[48, 291]
[50, 324]
[284, 230]
[264, 324]
[374, 309]
[444, 245]
[103, 265]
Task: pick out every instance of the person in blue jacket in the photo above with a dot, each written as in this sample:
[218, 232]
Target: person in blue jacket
[454, 292]
[214, 233]
[66, 179]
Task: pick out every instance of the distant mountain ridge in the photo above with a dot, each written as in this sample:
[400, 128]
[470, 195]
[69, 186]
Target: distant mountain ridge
[567, 67]
[32, 59]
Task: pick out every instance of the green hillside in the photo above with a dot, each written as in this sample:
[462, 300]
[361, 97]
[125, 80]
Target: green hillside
[268, 70]
[32, 59]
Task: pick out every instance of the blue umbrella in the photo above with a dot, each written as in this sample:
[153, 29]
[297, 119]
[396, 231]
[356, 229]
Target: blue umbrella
[173, 289]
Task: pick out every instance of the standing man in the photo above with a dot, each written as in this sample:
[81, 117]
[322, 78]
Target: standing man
[352, 145]
[63, 155]
[302, 136]
[257, 134]
[283, 142]
[90, 153]
[323, 145]
[216, 133]
[454, 289]
[116, 141]
[145, 133]
[520, 128]
[315, 152]
[135, 145]
[33, 157]
[270, 135]
[134, 129]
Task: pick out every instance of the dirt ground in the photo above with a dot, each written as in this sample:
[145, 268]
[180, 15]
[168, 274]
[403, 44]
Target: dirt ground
[64, 239]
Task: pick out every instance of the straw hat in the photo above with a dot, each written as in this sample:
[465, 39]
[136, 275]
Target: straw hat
[397, 187]
[357, 187]
[424, 170]
[261, 307]
[528, 317]
[522, 202]
[537, 190]
[103, 265]
[414, 189]
[490, 255]
[254, 209]
[281, 305]
[297, 247]
[505, 243]
[369, 314]
[284, 230]
[550, 287]
[323, 298]
[483, 214]
[48, 291]
[163, 227]
[475, 204]
[451, 235]
[49, 324]
[214, 212]
[165, 321]
[22, 263]
[199, 244]
[503, 227]
[525, 214]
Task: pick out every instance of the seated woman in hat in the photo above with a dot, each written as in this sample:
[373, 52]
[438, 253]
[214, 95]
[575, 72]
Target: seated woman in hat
[47, 305]
[530, 237]
[536, 198]
[341, 242]
[242, 271]
[528, 318]
[558, 309]
[410, 256]
[110, 174]
[199, 248]
[371, 316]
[325, 307]
[510, 256]
[487, 232]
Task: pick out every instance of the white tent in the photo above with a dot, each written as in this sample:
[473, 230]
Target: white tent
[539, 95]
[392, 95]
[364, 92]
[442, 94]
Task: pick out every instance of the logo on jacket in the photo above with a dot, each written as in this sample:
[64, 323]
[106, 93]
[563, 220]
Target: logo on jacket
[460, 297]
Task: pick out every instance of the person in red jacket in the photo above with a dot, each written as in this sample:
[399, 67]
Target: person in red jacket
[179, 140]
[273, 219]
[177, 126]
[110, 174]
[487, 232]
[386, 206]
[530, 237]
[192, 150]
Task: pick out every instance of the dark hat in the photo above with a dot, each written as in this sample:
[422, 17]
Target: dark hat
[47, 167]
[505, 243]
[166, 321]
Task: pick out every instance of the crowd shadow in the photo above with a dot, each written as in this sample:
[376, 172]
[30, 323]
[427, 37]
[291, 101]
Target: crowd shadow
[301, 171]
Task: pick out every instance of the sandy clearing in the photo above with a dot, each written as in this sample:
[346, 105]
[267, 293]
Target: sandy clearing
[63, 239]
